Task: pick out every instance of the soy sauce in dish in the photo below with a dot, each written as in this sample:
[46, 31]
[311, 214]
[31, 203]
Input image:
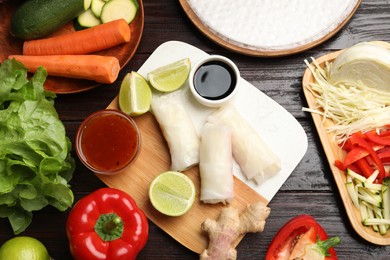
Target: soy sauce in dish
[214, 80]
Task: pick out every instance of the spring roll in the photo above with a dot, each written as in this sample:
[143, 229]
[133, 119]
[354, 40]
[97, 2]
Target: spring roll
[178, 130]
[216, 164]
[255, 158]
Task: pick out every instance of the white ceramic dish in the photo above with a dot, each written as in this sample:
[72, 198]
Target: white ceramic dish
[269, 118]
[213, 78]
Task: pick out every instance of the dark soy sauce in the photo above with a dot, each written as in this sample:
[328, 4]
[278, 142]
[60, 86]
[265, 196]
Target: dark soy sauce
[214, 80]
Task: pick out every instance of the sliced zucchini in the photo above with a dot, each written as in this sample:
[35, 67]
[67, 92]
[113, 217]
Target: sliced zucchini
[86, 20]
[87, 4]
[356, 176]
[119, 9]
[97, 6]
[353, 194]
[386, 197]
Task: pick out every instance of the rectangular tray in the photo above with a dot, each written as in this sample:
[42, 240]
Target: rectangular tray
[333, 152]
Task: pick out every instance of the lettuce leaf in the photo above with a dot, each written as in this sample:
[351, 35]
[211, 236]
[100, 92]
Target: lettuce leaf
[35, 160]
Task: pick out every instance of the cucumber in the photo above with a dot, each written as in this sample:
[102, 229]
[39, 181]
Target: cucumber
[386, 197]
[97, 6]
[117, 9]
[38, 18]
[86, 20]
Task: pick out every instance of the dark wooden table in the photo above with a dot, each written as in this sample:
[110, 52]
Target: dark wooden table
[310, 189]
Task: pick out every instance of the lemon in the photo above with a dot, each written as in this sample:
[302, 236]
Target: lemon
[172, 193]
[170, 77]
[135, 95]
[23, 248]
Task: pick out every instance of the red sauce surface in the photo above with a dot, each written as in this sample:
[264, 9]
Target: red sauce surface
[109, 142]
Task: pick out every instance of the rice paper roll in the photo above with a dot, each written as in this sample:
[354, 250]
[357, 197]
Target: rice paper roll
[216, 164]
[178, 130]
[255, 158]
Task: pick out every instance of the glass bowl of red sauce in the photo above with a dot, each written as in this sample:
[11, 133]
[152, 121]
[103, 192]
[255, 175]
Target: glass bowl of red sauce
[108, 141]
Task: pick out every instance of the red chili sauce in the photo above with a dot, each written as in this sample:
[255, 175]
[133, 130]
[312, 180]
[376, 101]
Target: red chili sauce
[109, 142]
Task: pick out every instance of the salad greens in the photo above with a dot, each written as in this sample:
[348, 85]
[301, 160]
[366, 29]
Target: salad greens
[35, 160]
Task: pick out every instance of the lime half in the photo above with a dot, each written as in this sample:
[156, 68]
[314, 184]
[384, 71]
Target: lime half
[172, 193]
[170, 77]
[23, 247]
[135, 95]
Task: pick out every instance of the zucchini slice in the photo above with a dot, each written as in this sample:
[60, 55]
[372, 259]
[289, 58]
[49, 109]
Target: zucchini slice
[119, 9]
[97, 6]
[87, 4]
[86, 20]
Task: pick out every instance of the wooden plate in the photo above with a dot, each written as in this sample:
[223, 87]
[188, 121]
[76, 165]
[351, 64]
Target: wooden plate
[333, 152]
[124, 52]
[263, 113]
[259, 52]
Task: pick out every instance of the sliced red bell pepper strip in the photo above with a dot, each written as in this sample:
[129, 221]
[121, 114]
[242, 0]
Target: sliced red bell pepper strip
[346, 146]
[302, 237]
[365, 168]
[385, 133]
[339, 164]
[384, 155]
[355, 168]
[106, 224]
[358, 139]
[358, 153]
[379, 139]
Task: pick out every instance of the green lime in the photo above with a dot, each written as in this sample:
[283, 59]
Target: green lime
[135, 95]
[170, 77]
[23, 248]
[172, 193]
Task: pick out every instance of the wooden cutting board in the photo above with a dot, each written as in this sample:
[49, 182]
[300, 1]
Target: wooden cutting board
[333, 152]
[268, 118]
[154, 158]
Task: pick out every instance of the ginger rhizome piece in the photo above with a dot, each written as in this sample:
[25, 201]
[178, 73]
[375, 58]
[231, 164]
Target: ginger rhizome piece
[229, 226]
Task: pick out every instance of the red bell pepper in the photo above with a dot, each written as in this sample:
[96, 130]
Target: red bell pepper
[358, 139]
[106, 224]
[381, 138]
[302, 238]
[367, 152]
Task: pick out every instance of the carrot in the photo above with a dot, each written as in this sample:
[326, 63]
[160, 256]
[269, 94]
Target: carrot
[102, 69]
[86, 41]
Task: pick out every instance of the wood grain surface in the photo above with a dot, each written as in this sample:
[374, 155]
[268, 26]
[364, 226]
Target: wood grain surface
[310, 189]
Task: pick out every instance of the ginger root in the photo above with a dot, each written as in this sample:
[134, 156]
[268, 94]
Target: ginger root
[229, 226]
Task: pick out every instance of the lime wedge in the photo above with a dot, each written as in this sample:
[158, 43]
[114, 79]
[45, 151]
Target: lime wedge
[170, 77]
[172, 193]
[135, 95]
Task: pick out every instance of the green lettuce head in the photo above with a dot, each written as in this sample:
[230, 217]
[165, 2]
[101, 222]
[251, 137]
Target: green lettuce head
[35, 160]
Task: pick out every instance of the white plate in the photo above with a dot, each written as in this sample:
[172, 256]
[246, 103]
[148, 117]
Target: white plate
[277, 127]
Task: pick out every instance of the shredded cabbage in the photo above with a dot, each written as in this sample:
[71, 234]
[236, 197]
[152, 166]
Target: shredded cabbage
[352, 104]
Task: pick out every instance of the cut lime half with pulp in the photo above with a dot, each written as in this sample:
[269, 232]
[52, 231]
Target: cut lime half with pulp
[135, 95]
[170, 77]
[172, 193]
